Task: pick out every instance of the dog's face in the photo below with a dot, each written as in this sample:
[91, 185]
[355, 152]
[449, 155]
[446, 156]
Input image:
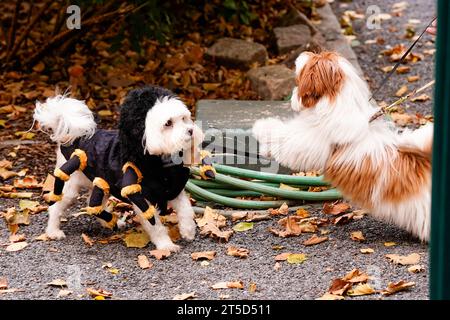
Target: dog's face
[318, 77]
[169, 128]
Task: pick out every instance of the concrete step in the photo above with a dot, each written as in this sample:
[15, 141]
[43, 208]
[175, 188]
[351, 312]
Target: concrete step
[227, 126]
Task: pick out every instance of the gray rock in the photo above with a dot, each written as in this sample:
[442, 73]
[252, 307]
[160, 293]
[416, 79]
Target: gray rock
[237, 53]
[293, 17]
[292, 37]
[272, 82]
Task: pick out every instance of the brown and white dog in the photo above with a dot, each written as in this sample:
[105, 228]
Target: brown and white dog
[374, 166]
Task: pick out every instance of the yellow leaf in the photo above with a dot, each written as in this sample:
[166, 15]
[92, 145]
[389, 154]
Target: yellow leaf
[361, 290]
[286, 187]
[243, 226]
[24, 135]
[105, 113]
[357, 236]
[400, 92]
[136, 239]
[389, 244]
[296, 258]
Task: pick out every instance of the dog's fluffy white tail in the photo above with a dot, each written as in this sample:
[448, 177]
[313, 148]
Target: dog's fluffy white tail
[67, 118]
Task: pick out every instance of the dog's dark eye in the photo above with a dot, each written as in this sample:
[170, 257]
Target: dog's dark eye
[168, 123]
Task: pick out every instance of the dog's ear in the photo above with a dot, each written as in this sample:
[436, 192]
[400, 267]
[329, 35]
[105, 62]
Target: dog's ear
[320, 77]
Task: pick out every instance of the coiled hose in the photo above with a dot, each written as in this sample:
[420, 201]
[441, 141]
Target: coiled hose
[224, 188]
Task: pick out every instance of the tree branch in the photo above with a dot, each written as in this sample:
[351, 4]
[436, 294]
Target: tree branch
[12, 29]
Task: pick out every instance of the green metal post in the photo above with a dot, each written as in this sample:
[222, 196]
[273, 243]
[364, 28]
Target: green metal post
[440, 218]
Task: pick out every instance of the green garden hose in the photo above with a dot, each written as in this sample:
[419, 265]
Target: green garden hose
[230, 202]
[271, 177]
[276, 192]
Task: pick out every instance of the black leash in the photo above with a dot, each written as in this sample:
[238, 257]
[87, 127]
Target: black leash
[401, 60]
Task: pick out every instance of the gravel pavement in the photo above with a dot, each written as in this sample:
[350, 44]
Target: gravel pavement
[80, 265]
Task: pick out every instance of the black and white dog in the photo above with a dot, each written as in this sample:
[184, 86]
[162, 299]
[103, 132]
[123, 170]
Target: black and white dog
[141, 163]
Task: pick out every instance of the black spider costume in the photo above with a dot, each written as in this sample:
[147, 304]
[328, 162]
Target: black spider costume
[116, 164]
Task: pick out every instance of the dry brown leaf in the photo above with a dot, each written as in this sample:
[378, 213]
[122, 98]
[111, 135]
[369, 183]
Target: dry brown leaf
[48, 184]
[143, 262]
[367, 250]
[185, 296]
[29, 182]
[413, 78]
[57, 283]
[208, 255]
[335, 208]
[64, 293]
[16, 238]
[99, 293]
[212, 217]
[357, 236]
[403, 69]
[16, 246]
[228, 285]
[214, 232]
[411, 259]
[389, 244]
[138, 239]
[422, 98]
[400, 92]
[237, 252]
[294, 226]
[3, 283]
[416, 269]
[252, 287]
[356, 276]
[339, 287]
[87, 239]
[396, 287]
[160, 254]
[302, 213]
[283, 256]
[329, 296]
[361, 290]
[314, 240]
[283, 210]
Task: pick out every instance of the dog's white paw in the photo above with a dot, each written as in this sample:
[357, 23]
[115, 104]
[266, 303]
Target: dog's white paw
[262, 129]
[188, 229]
[55, 234]
[172, 247]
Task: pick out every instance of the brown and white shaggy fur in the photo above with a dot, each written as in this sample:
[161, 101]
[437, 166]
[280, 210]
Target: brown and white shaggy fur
[374, 166]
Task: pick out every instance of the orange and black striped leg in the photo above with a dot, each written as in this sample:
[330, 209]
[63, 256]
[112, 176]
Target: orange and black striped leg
[97, 203]
[77, 161]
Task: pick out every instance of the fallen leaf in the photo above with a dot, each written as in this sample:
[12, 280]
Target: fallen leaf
[252, 287]
[212, 217]
[143, 262]
[422, 98]
[329, 296]
[243, 226]
[29, 182]
[403, 69]
[357, 236]
[302, 213]
[87, 239]
[283, 210]
[160, 254]
[282, 256]
[228, 285]
[33, 206]
[136, 239]
[411, 259]
[400, 92]
[57, 283]
[286, 187]
[355, 276]
[339, 287]
[64, 293]
[314, 240]
[389, 244]
[367, 250]
[16, 238]
[99, 293]
[209, 255]
[361, 290]
[413, 78]
[277, 266]
[214, 232]
[416, 269]
[335, 208]
[42, 237]
[397, 287]
[16, 246]
[3, 283]
[185, 296]
[237, 252]
[296, 258]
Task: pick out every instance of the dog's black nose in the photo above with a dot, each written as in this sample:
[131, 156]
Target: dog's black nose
[191, 131]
